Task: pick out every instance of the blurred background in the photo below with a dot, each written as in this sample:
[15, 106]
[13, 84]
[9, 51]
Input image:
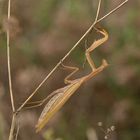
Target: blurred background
[42, 32]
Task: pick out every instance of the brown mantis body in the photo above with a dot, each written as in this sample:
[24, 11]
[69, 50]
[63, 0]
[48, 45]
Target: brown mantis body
[59, 97]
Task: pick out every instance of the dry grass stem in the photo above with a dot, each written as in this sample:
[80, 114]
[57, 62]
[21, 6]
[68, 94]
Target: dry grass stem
[8, 59]
[112, 11]
[98, 11]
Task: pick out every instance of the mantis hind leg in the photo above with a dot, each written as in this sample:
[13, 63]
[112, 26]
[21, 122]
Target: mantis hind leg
[34, 104]
[40, 102]
[67, 78]
[96, 44]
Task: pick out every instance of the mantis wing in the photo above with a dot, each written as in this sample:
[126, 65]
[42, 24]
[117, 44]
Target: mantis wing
[56, 102]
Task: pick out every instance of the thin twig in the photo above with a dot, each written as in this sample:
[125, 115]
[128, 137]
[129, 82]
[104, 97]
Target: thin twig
[8, 59]
[112, 11]
[98, 11]
[60, 62]
[17, 131]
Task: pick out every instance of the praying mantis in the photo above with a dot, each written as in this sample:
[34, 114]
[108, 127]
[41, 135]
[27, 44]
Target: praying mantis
[60, 96]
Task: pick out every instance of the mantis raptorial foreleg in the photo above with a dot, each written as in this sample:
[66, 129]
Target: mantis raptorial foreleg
[88, 57]
[95, 44]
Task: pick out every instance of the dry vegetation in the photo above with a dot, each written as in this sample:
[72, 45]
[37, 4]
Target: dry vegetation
[40, 35]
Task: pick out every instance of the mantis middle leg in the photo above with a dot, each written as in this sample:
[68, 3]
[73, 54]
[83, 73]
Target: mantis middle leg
[74, 70]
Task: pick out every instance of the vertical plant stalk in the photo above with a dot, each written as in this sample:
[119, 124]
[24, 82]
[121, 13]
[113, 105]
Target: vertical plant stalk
[13, 124]
[8, 59]
[60, 62]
